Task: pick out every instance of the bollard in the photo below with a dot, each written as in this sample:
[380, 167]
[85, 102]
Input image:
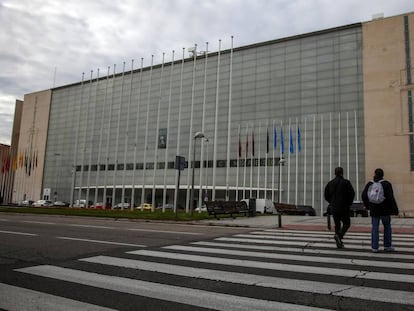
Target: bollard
[279, 217]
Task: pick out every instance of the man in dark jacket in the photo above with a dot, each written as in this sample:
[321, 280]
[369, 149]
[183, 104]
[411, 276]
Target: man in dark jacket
[340, 195]
[381, 211]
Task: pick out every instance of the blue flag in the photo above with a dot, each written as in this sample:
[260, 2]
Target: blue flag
[291, 149]
[274, 138]
[299, 147]
[282, 143]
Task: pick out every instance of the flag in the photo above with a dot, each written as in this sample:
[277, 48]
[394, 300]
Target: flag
[291, 149]
[253, 142]
[274, 138]
[282, 143]
[267, 140]
[247, 144]
[299, 146]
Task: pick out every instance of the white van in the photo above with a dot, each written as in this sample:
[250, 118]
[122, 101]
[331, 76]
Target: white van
[263, 206]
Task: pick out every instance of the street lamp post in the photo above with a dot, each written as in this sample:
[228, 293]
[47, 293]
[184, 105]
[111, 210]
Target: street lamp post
[281, 163]
[196, 135]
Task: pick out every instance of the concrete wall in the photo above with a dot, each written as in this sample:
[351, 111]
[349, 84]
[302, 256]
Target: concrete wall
[387, 142]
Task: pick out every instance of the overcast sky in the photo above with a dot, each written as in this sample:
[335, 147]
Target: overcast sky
[51, 42]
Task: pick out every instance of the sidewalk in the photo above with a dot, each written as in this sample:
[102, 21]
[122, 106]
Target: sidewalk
[316, 223]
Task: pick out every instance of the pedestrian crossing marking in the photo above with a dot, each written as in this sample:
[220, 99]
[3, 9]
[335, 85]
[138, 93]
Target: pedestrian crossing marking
[195, 297]
[344, 251]
[354, 262]
[306, 254]
[15, 298]
[279, 266]
[340, 290]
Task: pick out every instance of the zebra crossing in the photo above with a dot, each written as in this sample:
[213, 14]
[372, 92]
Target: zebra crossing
[261, 270]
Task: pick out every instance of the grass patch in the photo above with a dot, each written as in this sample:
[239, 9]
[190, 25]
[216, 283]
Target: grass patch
[156, 215]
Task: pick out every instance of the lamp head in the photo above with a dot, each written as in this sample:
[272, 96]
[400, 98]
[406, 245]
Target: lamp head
[198, 135]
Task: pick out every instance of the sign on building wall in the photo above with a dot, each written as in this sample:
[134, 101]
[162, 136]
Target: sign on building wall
[162, 138]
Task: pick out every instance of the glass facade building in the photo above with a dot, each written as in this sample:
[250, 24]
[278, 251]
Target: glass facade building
[115, 135]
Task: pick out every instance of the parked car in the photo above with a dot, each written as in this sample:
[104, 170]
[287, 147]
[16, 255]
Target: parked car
[203, 208]
[358, 209]
[166, 206]
[26, 202]
[82, 203]
[60, 203]
[145, 207]
[122, 206]
[40, 203]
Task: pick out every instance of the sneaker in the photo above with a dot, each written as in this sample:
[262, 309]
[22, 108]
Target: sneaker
[338, 241]
[375, 250]
[389, 249]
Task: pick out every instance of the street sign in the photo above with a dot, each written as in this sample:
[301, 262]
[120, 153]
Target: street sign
[179, 163]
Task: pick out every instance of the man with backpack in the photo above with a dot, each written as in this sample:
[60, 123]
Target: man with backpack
[340, 195]
[378, 198]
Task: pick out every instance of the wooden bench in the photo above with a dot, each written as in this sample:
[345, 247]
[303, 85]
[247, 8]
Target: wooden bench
[226, 207]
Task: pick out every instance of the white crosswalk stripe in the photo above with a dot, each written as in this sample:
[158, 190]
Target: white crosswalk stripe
[261, 270]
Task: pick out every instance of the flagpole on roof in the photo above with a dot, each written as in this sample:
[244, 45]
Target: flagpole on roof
[108, 136]
[205, 140]
[136, 134]
[75, 149]
[322, 166]
[157, 132]
[273, 159]
[118, 126]
[229, 121]
[304, 163]
[313, 159]
[131, 79]
[237, 168]
[92, 131]
[84, 150]
[98, 169]
[267, 152]
[290, 151]
[251, 163]
[164, 194]
[258, 163]
[180, 103]
[347, 145]
[189, 205]
[297, 162]
[216, 117]
[144, 169]
[356, 153]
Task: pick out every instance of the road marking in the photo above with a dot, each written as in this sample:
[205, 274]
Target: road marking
[306, 250]
[331, 233]
[38, 222]
[164, 231]
[359, 274]
[194, 297]
[100, 241]
[304, 244]
[312, 239]
[20, 233]
[352, 262]
[340, 290]
[16, 299]
[322, 235]
[91, 226]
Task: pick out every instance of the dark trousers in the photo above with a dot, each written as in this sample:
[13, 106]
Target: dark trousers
[342, 223]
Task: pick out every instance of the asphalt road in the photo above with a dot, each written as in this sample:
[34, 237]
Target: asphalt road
[74, 263]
